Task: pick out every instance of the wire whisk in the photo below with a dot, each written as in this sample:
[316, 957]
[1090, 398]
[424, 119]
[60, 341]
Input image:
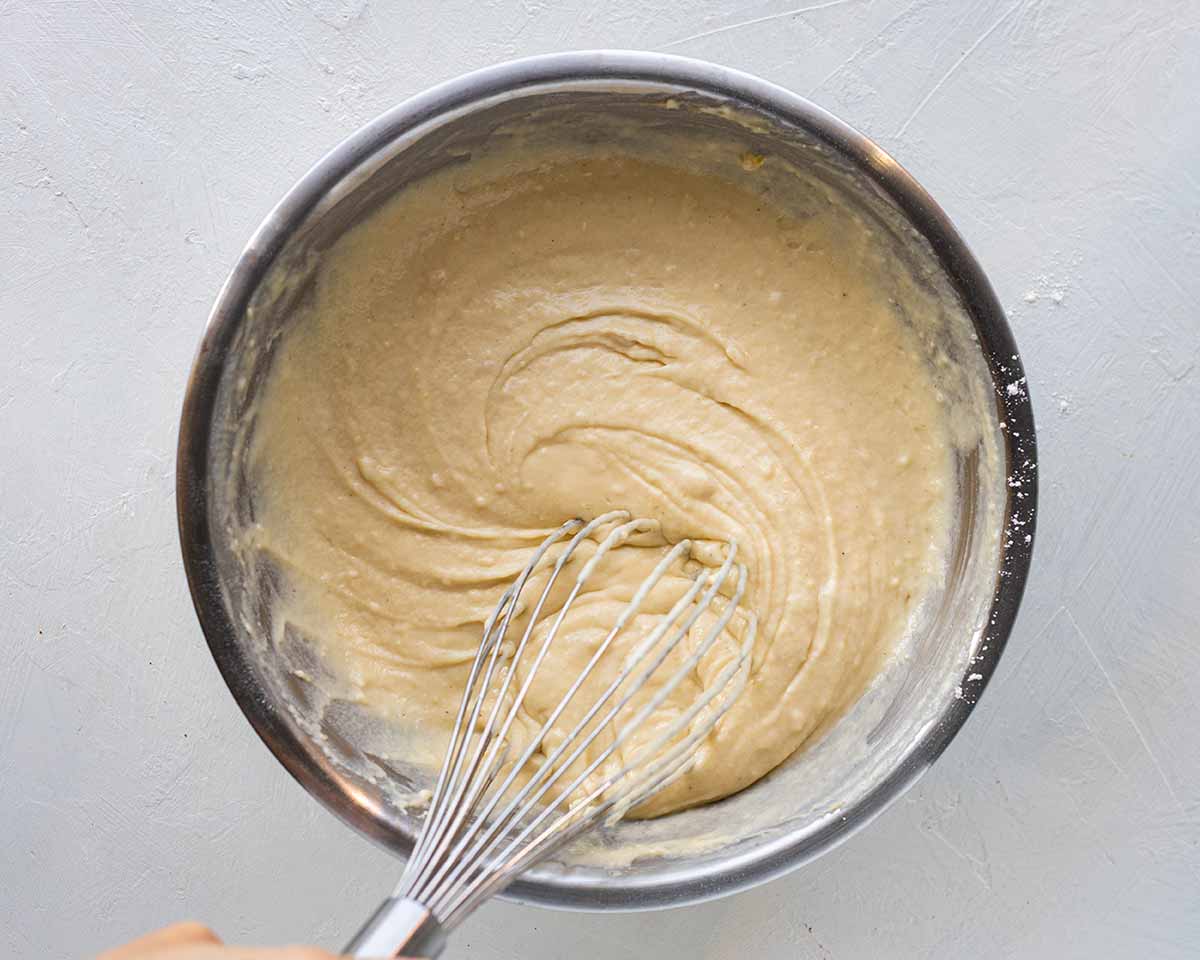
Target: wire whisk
[493, 815]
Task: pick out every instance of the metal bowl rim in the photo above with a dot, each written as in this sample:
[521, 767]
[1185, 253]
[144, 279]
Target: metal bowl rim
[315, 772]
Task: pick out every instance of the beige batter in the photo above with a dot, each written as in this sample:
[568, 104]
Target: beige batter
[511, 344]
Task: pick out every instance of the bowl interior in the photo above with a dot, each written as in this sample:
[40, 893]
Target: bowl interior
[854, 767]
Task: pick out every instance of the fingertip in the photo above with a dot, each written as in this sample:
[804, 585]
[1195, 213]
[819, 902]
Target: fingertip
[187, 932]
[190, 931]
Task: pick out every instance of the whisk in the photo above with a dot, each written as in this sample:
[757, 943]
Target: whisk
[483, 829]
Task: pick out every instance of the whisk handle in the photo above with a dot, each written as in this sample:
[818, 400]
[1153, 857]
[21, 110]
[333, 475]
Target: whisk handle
[400, 928]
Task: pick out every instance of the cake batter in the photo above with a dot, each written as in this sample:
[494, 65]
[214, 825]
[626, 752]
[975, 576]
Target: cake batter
[516, 341]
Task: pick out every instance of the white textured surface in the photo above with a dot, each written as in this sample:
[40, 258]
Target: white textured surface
[141, 142]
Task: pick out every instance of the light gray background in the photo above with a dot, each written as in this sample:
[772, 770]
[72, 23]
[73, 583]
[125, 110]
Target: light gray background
[141, 142]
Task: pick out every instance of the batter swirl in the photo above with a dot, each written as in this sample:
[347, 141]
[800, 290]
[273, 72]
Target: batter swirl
[522, 340]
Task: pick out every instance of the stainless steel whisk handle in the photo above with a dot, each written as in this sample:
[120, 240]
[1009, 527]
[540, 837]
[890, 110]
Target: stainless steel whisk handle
[400, 928]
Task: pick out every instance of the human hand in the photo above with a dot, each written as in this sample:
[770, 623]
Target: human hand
[194, 941]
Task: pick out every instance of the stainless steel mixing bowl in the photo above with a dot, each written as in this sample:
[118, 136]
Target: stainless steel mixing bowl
[863, 762]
